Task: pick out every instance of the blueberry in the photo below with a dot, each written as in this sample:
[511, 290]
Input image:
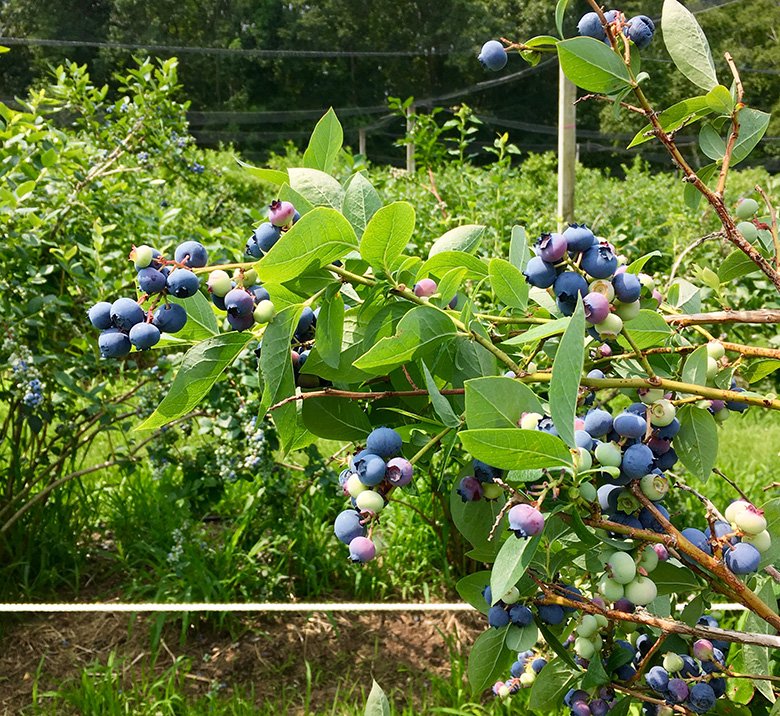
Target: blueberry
[596, 307]
[182, 283]
[241, 323]
[347, 526]
[239, 302]
[598, 422]
[657, 678]
[637, 461]
[627, 287]
[701, 698]
[125, 313]
[526, 521]
[578, 236]
[100, 315]
[677, 691]
[265, 236]
[580, 708]
[625, 672]
[590, 26]
[690, 667]
[718, 687]
[608, 496]
[520, 615]
[630, 425]
[218, 301]
[551, 614]
[144, 335]
[698, 539]
[252, 249]
[583, 439]
[568, 285]
[599, 261]
[484, 472]
[470, 489]
[498, 616]
[539, 273]
[384, 442]
[538, 664]
[667, 460]
[399, 471]
[667, 432]
[305, 323]
[192, 254]
[370, 469]
[743, 558]
[493, 55]
[362, 549]
[599, 707]
[113, 343]
[281, 213]
[258, 293]
[721, 530]
[640, 31]
[551, 247]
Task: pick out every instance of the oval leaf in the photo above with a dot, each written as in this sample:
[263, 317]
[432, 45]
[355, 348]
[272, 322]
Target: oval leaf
[566, 374]
[590, 64]
[508, 283]
[463, 238]
[687, 45]
[516, 449]
[387, 234]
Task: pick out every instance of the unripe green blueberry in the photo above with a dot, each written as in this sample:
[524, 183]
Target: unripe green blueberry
[662, 413]
[715, 350]
[673, 662]
[511, 596]
[762, 541]
[597, 642]
[621, 568]
[588, 626]
[582, 460]
[712, 368]
[746, 208]
[734, 509]
[610, 589]
[608, 454]
[527, 678]
[355, 486]
[603, 622]
[629, 628]
[587, 491]
[250, 277]
[491, 491]
[641, 591]
[649, 559]
[531, 367]
[748, 230]
[370, 501]
[503, 691]
[722, 416]
[751, 521]
[648, 283]
[529, 421]
[654, 487]
[264, 311]
[604, 287]
[583, 648]
[649, 395]
[142, 256]
[610, 327]
[627, 503]
[627, 311]
[219, 283]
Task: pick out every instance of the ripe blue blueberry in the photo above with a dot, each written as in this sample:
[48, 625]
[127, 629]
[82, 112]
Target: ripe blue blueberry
[538, 664]
[384, 442]
[649, 521]
[627, 287]
[241, 323]
[590, 26]
[580, 708]
[498, 616]
[637, 461]
[743, 558]
[192, 254]
[304, 330]
[701, 698]
[493, 55]
[677, 691]
[150, 280]
[113, 343]
[520, 615]
[347, 526]
[370, 469]
[551, 614]
[484, 472]
[259, 293]
[568, 285]
[265, 236]
[539, 273]
[252, 249]
[579, 237]
[598, 422]
[100, 315]
[630, 425]
[239, 302]
[657, 678]
[144, 335]
[697, 538]
[125, 313]
[599, 707]
[640, 31]
[599, 261]
[182, 283]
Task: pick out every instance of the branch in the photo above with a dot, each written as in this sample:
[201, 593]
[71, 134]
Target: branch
[732, 141]
[773, 220]
[602, 98]
[762, 315]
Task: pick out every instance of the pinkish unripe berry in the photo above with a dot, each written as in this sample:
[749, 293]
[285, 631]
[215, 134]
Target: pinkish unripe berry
[281, 213]
[425, 288]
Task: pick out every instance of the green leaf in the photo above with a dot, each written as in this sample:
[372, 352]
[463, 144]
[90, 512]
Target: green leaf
[560, 11]
[548, 691]
[474, 520]
[695, 368]
[581, 530]
[670, 579]
[440, 264]
[420, 331]
[464, 238]
[471, 587]
[325, 143]
[441, 405]
[511, 563]
[566, 374]
[711, 143]
[685, 112]
[736, 265]
[508, 283]
[687, 45]
[648, 329]
[758, 369]
[377, 703]
[697, 442]
[691, 195]
[516, 449]
[270, 175]
[450, 284]
[590, 64]
[772, 516]
[719, 99]
[330, 325]
[522, 638]
[595, 675]
[387, 234]
[636, 267]
[544, 330]
[498, 402]
[752, 126]
[685, 296]
[317, 187]
[275, 365]
[316, 239]
[519, 250]
[692, 611]
[489, 659]
[201, 321]
[199, 370]
[287, 193]
[335, 419]
[361, 202]
[757, 657]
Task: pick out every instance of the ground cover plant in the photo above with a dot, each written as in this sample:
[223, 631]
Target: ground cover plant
[557, 398]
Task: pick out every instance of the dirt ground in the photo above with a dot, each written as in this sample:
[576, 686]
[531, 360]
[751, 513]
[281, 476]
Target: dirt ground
[266, 652]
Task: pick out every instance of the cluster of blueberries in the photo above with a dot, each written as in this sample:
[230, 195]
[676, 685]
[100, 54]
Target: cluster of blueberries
[577, 264]
[639, 30]
[281, 216]
[27, 379]
[242, 297]
[124, 323]
[746, 210]
[372, 476]
[522, 674]
[507, 610]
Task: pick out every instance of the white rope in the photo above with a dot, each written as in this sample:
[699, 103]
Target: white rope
[268, 607]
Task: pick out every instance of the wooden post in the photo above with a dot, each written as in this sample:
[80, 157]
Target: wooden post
[362, 141]
[410, 166]
[567, 149]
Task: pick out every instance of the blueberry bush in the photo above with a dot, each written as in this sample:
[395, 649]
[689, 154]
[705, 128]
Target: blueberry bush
[554, 394]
